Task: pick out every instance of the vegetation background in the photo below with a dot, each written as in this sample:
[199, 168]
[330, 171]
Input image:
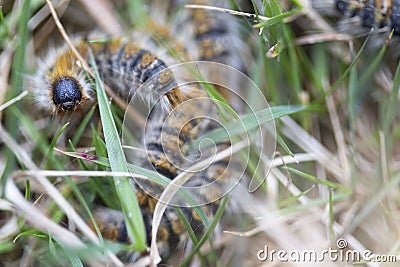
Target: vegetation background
[336, 176]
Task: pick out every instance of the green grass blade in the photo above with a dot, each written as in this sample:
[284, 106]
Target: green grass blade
[352, 120]
[338, 82]
[392, 108]
[6, 247]
[191, 233]
[313, 203]
[316, 180]
[249, 121]
[4, 30]
[18, 68]
[123, 185]
[207, 234]
[52, 146]
[284, 146]
[295, 198]
[276, 19]
[82, 126]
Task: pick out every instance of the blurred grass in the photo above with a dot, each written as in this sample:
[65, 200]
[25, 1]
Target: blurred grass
[300, 75]
[18, 67]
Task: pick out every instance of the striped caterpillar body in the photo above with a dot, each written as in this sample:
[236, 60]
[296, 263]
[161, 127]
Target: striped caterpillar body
[61, 87]
[361, 15]
[373, 14]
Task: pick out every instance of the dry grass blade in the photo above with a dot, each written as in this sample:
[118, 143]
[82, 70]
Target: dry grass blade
[14, 100]
[50, 173]
[339, 137]
[11, 226]
[5, 66]
[322, 37]
[37, 219]
[67, 39]
[232, 12]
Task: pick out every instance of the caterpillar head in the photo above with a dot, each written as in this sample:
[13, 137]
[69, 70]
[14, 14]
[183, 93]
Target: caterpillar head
[67, 94]
[60, 85]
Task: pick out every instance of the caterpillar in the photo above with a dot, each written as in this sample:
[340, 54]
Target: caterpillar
[358, 14]
[121, 62]
[61, 87]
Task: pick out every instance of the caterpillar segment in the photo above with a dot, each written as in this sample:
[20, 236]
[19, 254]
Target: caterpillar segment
[217, 36]
[171, 233]
[208, 32]
[373, 13]
[168, 137]
[126, 66]
[163, 36]
[360, 15]
[111, 224]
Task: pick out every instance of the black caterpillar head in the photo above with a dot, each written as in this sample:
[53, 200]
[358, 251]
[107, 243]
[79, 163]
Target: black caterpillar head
[67, 93]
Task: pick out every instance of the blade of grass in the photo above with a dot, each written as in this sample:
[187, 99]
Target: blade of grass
[137, 11]
[191, 233]
[99, 145]
[391, 109]
[123, 185]
[81, 163]
[207, 234]
[4, 30]
[100, 186]
[276, 19]
[18, 67]
[284, 146]
[249, 121]
[352, 122]
[338, 82]
[308, 205]
[27, 190]
[51, 147]
[82, 126]
[6, 247]
[316, 180]
[294, 198]
[293, 63]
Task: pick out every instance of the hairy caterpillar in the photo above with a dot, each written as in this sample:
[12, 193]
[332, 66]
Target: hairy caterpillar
[381, 15]
[60, 86]
[121, 62]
